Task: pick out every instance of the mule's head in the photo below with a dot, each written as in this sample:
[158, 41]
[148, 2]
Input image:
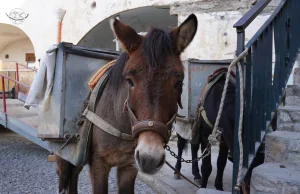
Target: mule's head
[154, 73]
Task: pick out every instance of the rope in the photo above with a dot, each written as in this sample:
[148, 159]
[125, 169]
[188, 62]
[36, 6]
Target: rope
[240, 127]
[213, 138]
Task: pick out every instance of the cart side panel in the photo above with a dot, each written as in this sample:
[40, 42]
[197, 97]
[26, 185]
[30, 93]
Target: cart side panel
[76, 88]
[198, 73]
[185, 92]
[74, 67]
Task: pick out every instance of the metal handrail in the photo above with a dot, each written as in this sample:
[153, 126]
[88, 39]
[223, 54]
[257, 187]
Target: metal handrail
[3, 89]
[32, 69]
[13, 80]
[244, 22]
[258, 76]
[265, 25]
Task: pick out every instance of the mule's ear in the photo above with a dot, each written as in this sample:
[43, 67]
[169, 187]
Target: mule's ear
[127, 37]
[185, 33]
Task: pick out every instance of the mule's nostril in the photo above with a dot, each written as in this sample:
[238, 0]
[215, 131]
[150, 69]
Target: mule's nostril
[137, 156]
[161, 162]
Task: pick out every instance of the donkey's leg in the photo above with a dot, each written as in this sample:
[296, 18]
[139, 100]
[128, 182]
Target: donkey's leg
[63, 169]
[180, 145]
[195, 168]
[206, 167]
[221, 163]
[126, 179]
[99, 171]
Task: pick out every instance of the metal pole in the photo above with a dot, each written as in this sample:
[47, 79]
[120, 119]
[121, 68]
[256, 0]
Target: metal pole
[7, 83]
[3, 94]
[17, 77]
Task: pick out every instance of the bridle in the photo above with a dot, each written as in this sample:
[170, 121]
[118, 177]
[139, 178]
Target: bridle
[137, 127]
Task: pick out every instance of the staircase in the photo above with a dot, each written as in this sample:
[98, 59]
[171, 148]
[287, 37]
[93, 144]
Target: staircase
[281, 171]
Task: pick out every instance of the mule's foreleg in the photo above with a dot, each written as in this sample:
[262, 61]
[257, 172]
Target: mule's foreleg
[126, 178]
[181, 143]
[221, 163]
[99, 171]
[206, 167]
[195, 167]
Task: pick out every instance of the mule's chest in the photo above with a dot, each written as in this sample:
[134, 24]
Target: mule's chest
[116, 157]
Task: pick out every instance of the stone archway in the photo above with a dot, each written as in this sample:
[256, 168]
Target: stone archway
[16, 47]
[100, 36]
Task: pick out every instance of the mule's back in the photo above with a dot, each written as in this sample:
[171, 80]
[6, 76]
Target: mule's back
[212, 104]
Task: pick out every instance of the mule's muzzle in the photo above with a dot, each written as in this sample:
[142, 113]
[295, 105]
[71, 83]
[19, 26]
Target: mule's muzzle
[149, 163]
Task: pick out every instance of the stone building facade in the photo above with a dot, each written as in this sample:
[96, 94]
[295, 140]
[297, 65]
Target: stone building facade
[215, 38]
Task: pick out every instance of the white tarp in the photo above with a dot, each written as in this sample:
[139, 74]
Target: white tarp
[41, 87]
[183, 129]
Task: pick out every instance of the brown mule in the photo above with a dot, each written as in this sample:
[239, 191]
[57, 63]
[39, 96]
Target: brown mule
[149, 74]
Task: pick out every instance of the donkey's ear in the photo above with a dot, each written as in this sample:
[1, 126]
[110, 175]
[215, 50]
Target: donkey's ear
[127, 37]
[185, 33]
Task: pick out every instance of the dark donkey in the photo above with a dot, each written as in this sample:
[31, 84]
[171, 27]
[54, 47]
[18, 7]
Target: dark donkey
[148, 76]
[201, 131]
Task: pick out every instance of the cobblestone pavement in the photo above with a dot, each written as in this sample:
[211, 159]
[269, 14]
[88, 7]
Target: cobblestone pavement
[24, 169]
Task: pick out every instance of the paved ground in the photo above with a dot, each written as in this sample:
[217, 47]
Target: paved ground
[24, 169]
[163, 181]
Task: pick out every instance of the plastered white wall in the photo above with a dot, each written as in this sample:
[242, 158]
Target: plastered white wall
[17, 50]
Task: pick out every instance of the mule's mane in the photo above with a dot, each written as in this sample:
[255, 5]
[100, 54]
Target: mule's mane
[156, 46]
[116, 77]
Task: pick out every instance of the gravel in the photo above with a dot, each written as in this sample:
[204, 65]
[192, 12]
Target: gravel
[24, 169]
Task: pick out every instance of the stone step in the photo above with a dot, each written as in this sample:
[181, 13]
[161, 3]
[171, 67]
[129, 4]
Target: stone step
[292, 90]
[297, 76]
[292, 100]
[292, 95]
[275, 178]
[211, 191]
[283, 146]
[288, 118]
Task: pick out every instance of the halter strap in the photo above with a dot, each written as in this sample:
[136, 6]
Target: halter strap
[164, 130]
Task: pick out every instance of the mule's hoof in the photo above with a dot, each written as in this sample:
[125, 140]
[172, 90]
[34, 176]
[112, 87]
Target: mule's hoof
[176, 176]
[220, 189]
[230, 158]
[197, 181]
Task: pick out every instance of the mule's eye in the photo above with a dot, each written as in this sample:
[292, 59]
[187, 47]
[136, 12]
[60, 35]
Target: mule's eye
[178, 84]
[130, 82]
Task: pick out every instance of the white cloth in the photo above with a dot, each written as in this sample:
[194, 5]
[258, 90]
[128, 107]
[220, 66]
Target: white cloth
[183, 129]
[41, 87]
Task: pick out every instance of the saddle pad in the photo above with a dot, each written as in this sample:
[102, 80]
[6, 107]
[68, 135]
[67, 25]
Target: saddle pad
[217, 72]
[96, 77]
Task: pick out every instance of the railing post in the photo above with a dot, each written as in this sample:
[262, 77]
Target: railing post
[3, 94]
[17, 77]
[236, 155]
